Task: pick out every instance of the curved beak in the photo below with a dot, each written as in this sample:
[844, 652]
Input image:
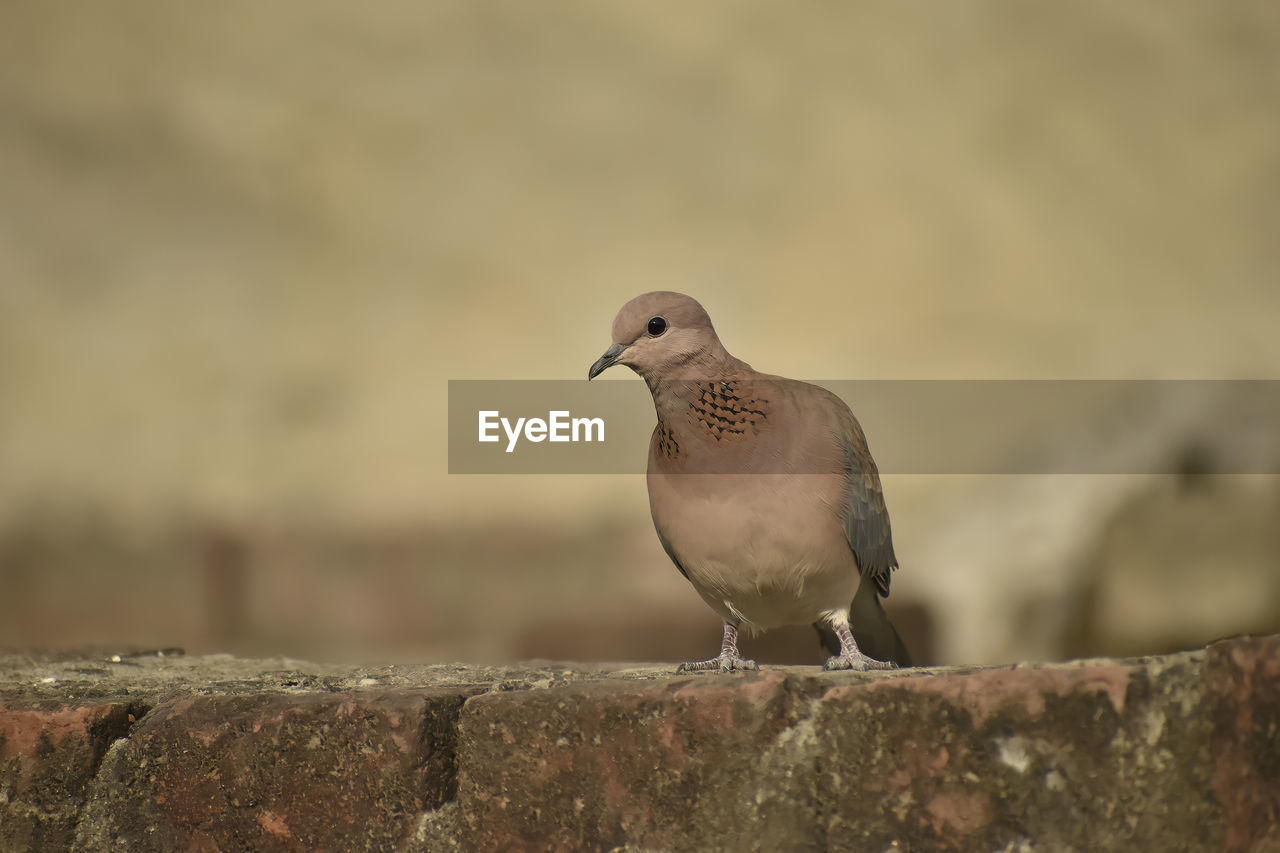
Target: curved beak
[609, 359]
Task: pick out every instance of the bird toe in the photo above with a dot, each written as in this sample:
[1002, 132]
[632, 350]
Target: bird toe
[856, 663]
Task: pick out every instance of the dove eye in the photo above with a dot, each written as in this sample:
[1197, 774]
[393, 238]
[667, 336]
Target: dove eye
[657, 326]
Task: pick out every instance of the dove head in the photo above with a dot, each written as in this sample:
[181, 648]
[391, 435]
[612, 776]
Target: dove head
[663, 335]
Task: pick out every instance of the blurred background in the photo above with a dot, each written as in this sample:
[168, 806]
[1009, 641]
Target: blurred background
[244, 246]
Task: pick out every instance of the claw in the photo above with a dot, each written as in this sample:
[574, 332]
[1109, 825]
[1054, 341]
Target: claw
[851, 657]
[724, 663]
[856, 663]
[728, 659]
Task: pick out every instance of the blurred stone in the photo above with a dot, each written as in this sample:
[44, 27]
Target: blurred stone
[1183, 562]
[1052, 566]
[274, 232]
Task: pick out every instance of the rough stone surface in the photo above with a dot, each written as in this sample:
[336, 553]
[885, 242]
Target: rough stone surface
[48, 758]
[1072, 757]
[1242, 703]
[344, 771]
[158, 753]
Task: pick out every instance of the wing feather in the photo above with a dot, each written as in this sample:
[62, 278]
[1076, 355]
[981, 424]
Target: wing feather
[866, 520]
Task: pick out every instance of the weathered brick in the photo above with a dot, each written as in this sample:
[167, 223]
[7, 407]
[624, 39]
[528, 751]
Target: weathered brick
[48, 757]
[1242, 686]
[1179, 752]
[343, 772]
[1097, 757]
[1090, 756]
[673, 764]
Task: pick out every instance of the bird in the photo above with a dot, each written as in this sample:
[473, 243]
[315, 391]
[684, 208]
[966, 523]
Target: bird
[762, 489]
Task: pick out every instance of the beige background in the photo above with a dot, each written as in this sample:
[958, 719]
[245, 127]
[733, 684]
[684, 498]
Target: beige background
[243, 247]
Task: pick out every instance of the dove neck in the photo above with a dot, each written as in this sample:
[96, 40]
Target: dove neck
[673, 392]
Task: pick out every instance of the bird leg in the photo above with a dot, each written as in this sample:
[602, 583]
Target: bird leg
[729, 659]
[851, 657]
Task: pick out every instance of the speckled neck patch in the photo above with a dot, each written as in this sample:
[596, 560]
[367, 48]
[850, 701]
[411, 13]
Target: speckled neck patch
[724, 412]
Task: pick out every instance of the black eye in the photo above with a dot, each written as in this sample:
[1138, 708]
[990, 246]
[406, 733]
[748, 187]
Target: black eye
[657, 326]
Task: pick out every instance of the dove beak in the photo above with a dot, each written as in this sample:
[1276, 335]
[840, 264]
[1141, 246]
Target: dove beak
[609, 359]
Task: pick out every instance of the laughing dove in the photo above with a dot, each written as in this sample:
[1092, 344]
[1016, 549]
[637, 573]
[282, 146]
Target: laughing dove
[762, 490]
